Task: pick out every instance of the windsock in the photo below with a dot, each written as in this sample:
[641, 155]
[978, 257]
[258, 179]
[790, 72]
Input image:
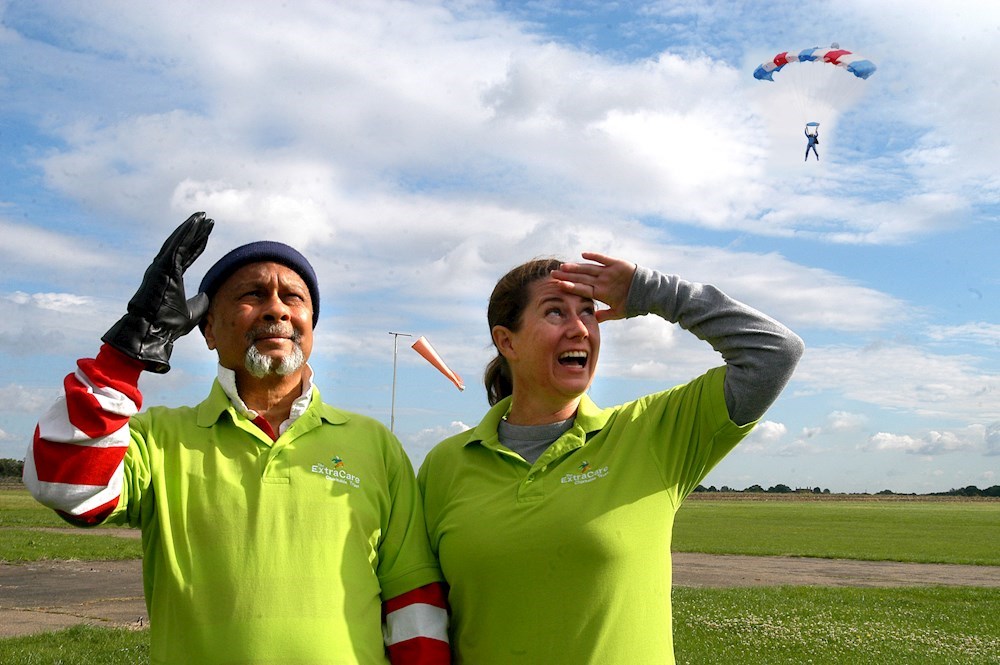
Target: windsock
[424, 348]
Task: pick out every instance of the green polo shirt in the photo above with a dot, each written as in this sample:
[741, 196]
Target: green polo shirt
[260, 551]
[567, 560]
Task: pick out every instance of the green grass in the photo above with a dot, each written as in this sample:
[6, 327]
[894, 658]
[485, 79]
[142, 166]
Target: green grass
[66, 545]
[775, 625]
[18, 508]
[749, 626]
[966, 532]
[79, 645]
[22, 538]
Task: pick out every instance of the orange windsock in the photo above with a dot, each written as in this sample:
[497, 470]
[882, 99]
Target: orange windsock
[424, 348]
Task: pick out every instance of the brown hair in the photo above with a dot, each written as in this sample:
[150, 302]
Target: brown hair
[507, 303]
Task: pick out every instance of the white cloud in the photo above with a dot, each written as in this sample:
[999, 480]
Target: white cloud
[42, 318]
[57, 302]
[977, 333]
[767, 432]
[931, 442]
[420, 443]
[16, 398]
[992, 438]
[905, 378]
[769, 439]
[844, 421]
[28, 249]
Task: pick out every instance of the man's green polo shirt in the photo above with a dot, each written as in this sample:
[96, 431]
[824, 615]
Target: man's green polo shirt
[271, 551]
[567, 560]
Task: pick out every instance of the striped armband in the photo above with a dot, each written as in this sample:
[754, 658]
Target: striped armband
[416, 626]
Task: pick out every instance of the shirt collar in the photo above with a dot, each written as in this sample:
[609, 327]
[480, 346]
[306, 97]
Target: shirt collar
[589, 418]
[227, 380]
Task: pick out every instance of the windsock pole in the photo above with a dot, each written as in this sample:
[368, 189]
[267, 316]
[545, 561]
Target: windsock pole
[392, 412]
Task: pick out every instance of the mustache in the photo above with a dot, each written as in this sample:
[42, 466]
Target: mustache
[274, 330]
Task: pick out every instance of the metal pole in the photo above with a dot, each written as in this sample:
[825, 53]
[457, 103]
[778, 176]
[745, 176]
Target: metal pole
[392, 412]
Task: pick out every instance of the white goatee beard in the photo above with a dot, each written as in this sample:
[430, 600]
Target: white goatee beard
[259, 365]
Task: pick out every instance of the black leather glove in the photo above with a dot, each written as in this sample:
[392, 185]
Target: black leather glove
[158, 313]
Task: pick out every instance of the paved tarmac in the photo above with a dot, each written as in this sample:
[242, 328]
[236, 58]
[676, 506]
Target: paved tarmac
[51, 595]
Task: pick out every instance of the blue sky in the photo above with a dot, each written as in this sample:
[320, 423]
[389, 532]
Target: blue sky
[416, 151]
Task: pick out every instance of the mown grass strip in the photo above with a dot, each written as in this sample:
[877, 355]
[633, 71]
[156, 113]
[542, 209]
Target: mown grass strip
[79, 645]
[965, 532]
[776, 625]
[31, 532]
[750, 626]
[18, 545]
[18, 508]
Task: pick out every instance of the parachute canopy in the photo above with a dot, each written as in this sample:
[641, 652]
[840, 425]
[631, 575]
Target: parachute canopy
[852, 62]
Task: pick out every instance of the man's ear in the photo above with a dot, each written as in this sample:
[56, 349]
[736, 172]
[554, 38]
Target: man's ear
[208, 332]
[503, 338]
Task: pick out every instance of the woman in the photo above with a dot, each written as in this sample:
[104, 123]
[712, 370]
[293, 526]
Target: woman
[552, 518]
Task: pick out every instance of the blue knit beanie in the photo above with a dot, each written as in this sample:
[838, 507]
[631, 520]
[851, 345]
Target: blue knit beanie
[257, 252]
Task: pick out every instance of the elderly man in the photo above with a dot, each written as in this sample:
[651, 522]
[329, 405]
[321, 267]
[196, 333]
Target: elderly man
[275, 527]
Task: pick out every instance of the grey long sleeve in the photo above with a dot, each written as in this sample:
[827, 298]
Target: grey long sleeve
[759, 352]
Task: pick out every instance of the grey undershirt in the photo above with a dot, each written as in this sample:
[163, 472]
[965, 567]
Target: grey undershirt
[530, 441]
[759, 352]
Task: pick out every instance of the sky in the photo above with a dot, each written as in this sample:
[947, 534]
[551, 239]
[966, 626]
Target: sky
[416, 151]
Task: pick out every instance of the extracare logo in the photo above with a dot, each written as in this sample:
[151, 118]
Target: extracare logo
[338, 473]
[586, 474]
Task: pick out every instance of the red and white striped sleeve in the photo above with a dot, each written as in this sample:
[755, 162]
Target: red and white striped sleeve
[74, 463]
[416, 626]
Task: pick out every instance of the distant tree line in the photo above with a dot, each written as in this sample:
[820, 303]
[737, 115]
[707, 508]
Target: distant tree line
[11, 468]
[971, 490]
[754, 489]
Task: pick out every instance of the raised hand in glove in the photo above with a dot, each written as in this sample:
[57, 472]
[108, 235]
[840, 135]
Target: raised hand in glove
[158, 313]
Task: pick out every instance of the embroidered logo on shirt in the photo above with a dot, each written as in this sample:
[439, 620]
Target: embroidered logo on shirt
[587, 474]
[337, 473]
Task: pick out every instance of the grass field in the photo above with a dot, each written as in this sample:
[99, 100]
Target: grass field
[749, 626]
[925, 531]
[918, 530]
[32, 532]
[80, 645]
[774, 625]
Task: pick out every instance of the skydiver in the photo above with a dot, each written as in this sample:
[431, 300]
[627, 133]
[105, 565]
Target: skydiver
[813, 140]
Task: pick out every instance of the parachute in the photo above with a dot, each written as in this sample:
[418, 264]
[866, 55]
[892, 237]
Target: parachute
[814, 85]
[852, 62]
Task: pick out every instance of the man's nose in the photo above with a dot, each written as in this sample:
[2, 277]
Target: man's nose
[275, 308]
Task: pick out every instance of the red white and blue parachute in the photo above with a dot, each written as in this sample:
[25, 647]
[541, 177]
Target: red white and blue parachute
[852, 62]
